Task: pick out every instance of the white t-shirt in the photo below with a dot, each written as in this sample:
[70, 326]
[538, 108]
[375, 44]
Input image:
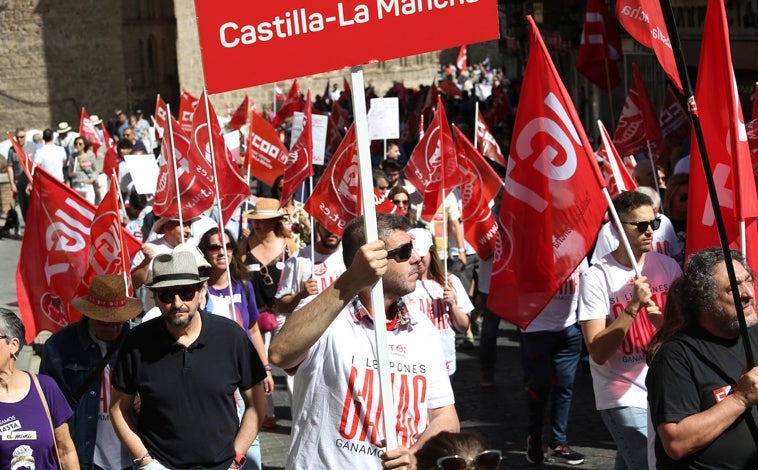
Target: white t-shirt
[606, 289]
[52, 158]
[429, 299]
[298, 269]
[438, 224]
[560, 312]
[109, 452]
[665, 240]
[336, 402]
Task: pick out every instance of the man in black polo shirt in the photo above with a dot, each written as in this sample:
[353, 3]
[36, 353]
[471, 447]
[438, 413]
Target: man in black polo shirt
[186, 366]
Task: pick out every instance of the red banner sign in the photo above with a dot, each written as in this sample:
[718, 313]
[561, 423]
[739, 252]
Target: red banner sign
[293, 34]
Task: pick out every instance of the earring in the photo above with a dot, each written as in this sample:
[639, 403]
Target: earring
[14, 356]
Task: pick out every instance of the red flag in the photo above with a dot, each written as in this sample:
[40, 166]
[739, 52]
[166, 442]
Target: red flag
[600, 49]
[432, 98]
[726, 141]
[265, 151]
[207, 149]
[195, 191]
[87, 130]
[299, 164]
[480, 186]
[239, 118]
[336, 199]
[160, 117]
[347, 92]
[638, 125]
[755, 103]
[460, 62]
[25, 159]
[752, 141]
[187, 106]
[449, 88]
[279, 95]
[110, 164]
[54, 256]
[552, 208]
[486, 143]
[433, 166]
[674, 121]
[108, 249]
[338, 122]
[643, 20]
[617, 177]
[293, 103]
[501, 107]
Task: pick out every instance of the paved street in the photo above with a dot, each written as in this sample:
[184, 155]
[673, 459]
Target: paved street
[498, 414]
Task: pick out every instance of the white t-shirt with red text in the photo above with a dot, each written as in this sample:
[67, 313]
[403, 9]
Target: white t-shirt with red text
[606, 289]
[336, 404]
[560, 312]
[298, 269]
[429, 298]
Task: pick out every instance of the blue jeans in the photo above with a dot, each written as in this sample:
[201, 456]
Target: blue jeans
[488, 337]
[549, 359]
[628, 427]
[253, 455]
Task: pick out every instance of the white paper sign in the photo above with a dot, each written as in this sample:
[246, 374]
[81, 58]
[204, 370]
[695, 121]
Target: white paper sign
[144, 172]
[384, 119]
[232, 141]
[320, 123]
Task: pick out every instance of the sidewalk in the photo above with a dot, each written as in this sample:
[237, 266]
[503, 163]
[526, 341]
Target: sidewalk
[499, 413]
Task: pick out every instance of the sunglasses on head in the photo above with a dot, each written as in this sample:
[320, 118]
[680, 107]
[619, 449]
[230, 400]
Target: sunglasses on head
[643, 225]
[214, 247]
[487, 460]
[401, 253]
[184, 293]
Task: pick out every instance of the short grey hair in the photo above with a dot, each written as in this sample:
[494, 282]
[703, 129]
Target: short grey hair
[12, 327]
[652, 194]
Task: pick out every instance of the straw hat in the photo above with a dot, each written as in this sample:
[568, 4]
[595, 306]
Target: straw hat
[158, 225]
[106, 300]
[63, 127]
[96, 121]
[175, 269]
[265, 208]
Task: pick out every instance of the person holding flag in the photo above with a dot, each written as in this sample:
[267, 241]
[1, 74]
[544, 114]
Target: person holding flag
[329, 344]
[16, 174]
[619, 313]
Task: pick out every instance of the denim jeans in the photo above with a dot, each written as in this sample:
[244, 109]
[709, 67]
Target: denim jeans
[628, 427]
[549, 359]
[488, 337]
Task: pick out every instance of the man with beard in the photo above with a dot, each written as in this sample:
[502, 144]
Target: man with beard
[186, 366]
[702, 400]
[330, 344]
[311, 270]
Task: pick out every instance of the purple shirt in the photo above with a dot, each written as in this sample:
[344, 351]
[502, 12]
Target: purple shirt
[245, 308]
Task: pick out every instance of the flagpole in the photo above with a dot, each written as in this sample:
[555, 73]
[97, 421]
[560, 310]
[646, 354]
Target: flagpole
[668, 15]
[124, 272]
[652, 165]
[176, 171]
[313, 227]
[370, 227]
[476, 121]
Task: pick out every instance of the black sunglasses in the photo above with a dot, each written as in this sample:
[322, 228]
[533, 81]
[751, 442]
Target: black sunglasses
[185, 293]
[401, 253]
[214, 248]
[643, 225]
[403, 202]
[487, 460]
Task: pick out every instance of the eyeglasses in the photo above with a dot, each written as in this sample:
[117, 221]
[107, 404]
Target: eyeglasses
[643, 225]
[267, 279]
[401, 253]
[487, 460]
[214, 248]
[184, 293]
[401, 202]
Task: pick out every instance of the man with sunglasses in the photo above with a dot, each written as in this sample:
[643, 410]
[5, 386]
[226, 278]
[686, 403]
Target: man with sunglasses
[618, 315]
[329, 344]
[186, 366]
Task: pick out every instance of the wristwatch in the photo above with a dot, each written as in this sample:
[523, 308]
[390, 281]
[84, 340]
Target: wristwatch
[239, 461]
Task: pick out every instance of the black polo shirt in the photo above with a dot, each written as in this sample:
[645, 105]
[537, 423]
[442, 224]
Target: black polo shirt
[188, 417]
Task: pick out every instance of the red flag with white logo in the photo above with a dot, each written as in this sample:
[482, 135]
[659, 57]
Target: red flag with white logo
[232, 188]
[600, 49]
[480, 185]
[486, 143]
[187, 106]
[239, 118]
[195, 191]
[160, 117]
[265, 152]
[299, 164]
[336, 199]
[552, 207]
[643, 20]
[617, 177]
[292, 104]
[726, 140]
[110, 162]
[87, 130]
[55, 255]
[674, 122]
[433, 166]
[638, 130]
[461, 62]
